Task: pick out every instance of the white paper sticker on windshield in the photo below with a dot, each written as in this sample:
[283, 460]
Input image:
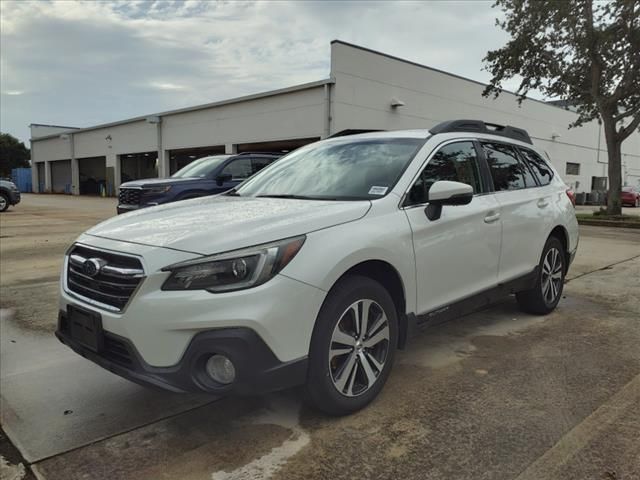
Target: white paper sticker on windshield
[378, 190]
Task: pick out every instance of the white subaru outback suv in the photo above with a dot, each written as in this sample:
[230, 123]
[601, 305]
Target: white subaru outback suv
[314, 270]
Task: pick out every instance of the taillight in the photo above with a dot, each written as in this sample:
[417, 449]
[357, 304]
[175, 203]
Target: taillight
[572, 196]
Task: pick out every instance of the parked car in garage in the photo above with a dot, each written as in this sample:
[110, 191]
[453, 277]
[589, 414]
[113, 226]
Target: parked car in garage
[9, 194]
[630, 196]
[204, 176]
[315, 269]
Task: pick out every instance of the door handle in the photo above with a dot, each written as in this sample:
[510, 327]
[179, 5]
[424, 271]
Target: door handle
[492, 217]
[542, 203]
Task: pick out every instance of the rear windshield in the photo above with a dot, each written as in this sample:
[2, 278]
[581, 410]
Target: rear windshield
[336, 170]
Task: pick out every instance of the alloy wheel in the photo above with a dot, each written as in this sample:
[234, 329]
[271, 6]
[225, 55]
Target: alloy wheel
[3, 203]
[359, 347]
[551, 275]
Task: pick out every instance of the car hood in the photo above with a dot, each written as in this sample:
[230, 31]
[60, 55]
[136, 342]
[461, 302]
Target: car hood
[221, 223]
[150, 182]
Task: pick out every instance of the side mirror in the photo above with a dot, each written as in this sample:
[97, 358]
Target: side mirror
[447, 193]
[223, 178]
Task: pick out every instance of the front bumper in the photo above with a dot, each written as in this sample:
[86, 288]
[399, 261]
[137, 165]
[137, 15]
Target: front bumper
[257, 368]
[124, 208]
[14, 197]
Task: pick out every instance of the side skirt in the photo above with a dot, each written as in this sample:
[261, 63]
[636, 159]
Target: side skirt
[477, 301]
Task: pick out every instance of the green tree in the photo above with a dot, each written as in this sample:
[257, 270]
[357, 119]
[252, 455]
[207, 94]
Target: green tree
[13, 154]
[584, 51]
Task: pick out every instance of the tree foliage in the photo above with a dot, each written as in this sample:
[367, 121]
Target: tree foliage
[583, 51]
[13, 154]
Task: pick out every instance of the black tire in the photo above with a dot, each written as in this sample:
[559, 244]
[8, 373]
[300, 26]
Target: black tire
[544, 297]
[4, 204]
[321, 388]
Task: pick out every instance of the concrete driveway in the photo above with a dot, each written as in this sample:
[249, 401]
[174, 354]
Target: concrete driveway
[494, 395]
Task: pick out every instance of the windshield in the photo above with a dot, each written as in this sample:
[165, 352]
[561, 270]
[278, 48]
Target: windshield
[345, 170]
[200, 168]
[627, 189]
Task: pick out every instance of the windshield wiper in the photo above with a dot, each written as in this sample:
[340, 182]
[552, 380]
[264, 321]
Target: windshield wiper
[295, 197]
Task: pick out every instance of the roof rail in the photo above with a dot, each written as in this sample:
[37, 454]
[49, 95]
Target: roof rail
[478, 126]
[256, 153]
[344, 133]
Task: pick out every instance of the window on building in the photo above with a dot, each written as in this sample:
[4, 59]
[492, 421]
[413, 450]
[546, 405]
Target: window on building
[456, 162]
[572, 168]
[598, 183]
[507, 171]
[538, 166]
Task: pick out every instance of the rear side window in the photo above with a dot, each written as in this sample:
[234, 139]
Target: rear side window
[538, 165]
[507, 171]
[259, 163]
[239, 168]
[456, 162]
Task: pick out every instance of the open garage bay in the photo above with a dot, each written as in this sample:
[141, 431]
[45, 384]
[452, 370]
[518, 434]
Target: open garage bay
[493, 395]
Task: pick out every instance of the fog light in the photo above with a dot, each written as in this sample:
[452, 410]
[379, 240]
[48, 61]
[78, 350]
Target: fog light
[221, 369]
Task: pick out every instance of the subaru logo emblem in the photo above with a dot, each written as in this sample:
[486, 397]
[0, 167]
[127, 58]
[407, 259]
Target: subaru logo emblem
[92, 266]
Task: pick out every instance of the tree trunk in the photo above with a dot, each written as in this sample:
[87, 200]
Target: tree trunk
[614, 154]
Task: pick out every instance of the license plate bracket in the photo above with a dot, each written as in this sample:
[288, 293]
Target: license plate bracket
[85, 327]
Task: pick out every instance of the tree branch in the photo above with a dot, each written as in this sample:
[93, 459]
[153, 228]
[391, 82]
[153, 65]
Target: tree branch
[626, 131]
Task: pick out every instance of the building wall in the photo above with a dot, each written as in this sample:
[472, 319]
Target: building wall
[297, 114]
[44, 130]
[291, 115]
[366, 82]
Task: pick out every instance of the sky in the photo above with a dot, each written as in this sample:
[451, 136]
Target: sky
[77, 63]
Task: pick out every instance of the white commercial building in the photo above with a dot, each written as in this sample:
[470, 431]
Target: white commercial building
[365, 90]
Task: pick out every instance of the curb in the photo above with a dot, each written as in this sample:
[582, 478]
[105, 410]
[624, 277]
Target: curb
[609, 223]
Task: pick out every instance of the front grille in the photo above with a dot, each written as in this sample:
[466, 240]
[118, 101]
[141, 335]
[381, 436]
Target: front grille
[129, 196]
[113, 283]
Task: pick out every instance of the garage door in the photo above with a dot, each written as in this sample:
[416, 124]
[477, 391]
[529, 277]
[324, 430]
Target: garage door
[61, 176]
[134, 166]
[93, 176]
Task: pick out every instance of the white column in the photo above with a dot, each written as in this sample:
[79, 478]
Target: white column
[47, 177]
[164, 168]
[75, 167]
[230, 148]
[112, 162]
[75, 177]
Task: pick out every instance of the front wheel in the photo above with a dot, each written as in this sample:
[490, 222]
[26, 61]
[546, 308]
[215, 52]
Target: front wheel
[545, 295]
[352, 347]
[4, 202]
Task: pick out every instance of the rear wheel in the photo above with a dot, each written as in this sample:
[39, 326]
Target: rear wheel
[546, 293]
[352, 347]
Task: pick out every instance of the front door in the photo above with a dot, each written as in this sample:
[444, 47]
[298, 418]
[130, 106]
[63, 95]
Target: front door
[456, 255]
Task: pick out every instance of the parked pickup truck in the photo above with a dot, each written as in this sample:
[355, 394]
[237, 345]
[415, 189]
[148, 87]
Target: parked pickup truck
[205, 176]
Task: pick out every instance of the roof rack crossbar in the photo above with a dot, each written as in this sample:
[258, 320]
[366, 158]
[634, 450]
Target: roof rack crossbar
[478, 126]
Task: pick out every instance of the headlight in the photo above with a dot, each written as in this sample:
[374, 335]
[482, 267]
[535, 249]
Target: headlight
[155, 190]
[235, 270]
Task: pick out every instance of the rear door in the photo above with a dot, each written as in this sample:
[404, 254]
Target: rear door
[525, 208]
[456, 255]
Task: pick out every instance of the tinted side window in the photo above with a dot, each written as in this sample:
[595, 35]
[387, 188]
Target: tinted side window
[507, 171]
[538, 165]
[239, 169]
[456, 162]
[258, 164]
